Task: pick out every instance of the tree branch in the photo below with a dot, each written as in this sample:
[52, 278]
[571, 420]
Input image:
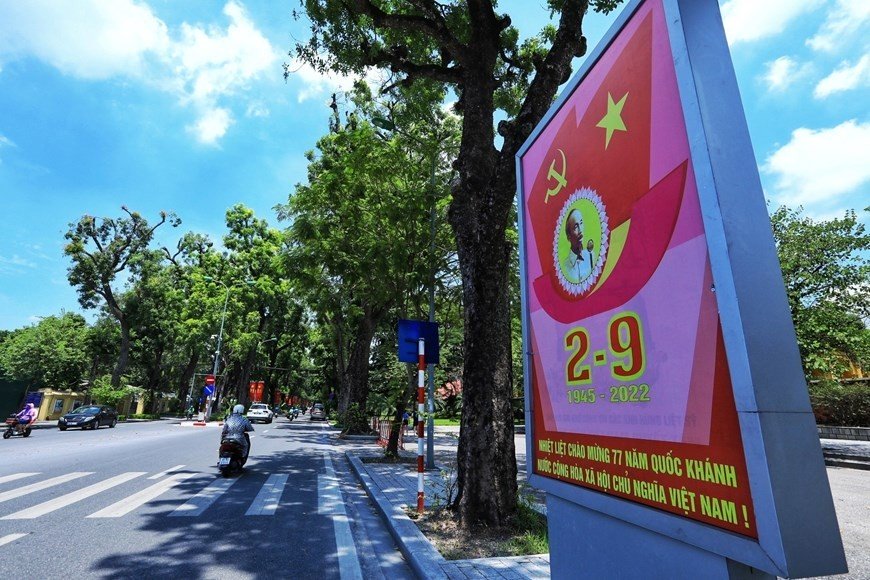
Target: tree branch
[568, 43]
[434, 26]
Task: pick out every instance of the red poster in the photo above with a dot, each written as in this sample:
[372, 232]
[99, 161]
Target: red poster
[631, 390]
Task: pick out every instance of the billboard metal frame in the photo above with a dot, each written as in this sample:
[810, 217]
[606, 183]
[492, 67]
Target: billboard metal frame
[798, 534]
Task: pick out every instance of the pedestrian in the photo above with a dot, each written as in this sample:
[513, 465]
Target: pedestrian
[406, 417]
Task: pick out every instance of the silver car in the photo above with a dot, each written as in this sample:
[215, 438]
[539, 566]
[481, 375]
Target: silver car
[318, 413]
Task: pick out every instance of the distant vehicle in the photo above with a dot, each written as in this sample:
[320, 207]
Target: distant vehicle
[260, 412]
[89, 417]
[318, 413]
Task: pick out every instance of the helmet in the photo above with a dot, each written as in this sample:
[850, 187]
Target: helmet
[239, 409]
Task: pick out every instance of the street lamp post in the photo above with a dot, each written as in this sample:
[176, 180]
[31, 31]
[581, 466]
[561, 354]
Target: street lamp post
[217, 352]
[388, 125]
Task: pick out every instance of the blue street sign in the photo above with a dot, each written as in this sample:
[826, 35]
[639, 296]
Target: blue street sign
[208, 390]
[410, 331]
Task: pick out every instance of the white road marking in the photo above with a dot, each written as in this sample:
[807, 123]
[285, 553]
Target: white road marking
[270, 495]
[201, 501]
[15, 476]
[11, 538]
[166, 472]
[73, 497]
[329, 502]
[13, 493]
[136, 500]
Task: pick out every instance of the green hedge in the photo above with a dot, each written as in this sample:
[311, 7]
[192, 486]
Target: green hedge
[846, 405]
[143, 416]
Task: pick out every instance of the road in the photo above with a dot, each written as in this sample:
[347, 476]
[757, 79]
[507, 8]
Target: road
[145, 499]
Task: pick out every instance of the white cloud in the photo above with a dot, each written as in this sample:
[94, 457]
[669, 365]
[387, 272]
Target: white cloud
[749, 20]
[315, 84]
[844, 78]
[257, 109]
[821, 165]
[92, 39]
[14, 264]
[212, 62]
[211, 126]
[5, 142]
[102, 39]
[842, 23]
[783, 72]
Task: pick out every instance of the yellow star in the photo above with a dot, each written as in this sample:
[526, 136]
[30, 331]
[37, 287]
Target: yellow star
[612, 121]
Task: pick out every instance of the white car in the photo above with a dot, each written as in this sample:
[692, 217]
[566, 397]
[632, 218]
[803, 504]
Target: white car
[260, 412]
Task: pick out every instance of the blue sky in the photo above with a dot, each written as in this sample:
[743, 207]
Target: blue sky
[182, 106]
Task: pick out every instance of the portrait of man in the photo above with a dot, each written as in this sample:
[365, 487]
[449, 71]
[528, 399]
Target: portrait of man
[575, 266]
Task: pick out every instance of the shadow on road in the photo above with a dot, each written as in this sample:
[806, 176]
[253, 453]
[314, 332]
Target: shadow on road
[223, 541]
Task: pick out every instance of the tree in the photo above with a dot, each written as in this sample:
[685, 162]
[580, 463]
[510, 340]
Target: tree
[826, 273]
[260, 296]
[101, 249]
[475, 51]
[357, 248]
[52, 353]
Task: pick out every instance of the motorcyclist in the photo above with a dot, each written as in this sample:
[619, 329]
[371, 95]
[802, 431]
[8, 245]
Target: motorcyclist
[237, 427]
[26, 416]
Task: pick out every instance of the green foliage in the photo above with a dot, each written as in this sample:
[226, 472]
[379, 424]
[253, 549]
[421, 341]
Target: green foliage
[353, 421]
[533, 538]
[53, 353]
[102, 248]
[360, 213]
[148, 416]
[105, 393]
[826, 271]
[845, 404]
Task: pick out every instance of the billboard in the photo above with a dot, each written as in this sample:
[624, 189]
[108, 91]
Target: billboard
[631, 374]
[631, 277]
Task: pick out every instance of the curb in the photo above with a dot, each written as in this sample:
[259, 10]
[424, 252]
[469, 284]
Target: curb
[421, 555]
[847, 461]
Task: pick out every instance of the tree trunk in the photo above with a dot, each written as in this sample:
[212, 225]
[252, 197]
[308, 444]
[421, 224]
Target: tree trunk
[124, 354]
[154, 380]
[356, 374]
[184, 386]
[486, 459]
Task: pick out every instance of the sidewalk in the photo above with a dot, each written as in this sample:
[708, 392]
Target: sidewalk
[393, 486]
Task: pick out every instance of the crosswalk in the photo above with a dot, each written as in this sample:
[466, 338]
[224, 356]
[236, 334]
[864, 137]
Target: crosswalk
[266, 502]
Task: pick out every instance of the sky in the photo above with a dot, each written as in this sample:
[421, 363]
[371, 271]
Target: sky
[183, 107]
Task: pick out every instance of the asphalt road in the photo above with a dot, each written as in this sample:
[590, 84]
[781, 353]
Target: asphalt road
[851, 491]
[145, 499]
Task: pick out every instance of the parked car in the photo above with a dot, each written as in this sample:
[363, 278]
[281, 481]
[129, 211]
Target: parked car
[260, 412]
[318, 413]
[89, 417]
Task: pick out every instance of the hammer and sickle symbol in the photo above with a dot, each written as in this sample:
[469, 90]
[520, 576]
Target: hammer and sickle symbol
[559, 177]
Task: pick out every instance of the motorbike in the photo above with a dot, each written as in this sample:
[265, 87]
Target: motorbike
[231, 457]
[14, 428]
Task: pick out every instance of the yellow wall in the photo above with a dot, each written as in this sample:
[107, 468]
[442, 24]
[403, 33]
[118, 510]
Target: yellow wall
[57, 403]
